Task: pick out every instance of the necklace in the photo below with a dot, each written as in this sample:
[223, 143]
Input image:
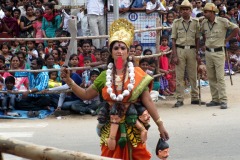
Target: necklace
[109, 80]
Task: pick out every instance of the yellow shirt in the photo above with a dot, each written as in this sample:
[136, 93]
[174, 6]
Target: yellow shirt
[184, 32]
[215, 33]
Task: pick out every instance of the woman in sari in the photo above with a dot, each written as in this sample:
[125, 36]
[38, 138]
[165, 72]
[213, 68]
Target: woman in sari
[21, 83]
[26, 22]
[121, 86]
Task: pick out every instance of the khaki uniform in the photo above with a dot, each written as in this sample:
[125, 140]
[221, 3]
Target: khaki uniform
[215, 55]
[185, 34]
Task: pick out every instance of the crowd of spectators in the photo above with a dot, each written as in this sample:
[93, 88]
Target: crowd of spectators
[39, 19]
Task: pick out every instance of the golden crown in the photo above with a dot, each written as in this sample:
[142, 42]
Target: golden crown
[121, 30]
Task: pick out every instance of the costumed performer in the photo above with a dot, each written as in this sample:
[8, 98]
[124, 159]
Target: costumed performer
[122, 135]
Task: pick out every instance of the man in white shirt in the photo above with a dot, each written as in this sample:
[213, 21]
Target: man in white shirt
[96, 21]
[198, 8]
[154, 5]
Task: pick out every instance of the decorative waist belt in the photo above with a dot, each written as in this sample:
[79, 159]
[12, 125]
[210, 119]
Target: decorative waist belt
[186, 47]
[219, 49]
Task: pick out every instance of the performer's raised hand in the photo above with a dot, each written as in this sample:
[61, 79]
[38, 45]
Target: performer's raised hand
[65, 74]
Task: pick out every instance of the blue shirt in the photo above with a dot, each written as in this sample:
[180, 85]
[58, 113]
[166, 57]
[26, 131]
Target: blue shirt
[78, 80]
[40, 81]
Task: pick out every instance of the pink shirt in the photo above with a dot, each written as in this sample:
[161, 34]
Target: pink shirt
[38, 30]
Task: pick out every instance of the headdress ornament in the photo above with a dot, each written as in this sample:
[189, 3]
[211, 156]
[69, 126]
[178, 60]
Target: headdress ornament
[122, 30]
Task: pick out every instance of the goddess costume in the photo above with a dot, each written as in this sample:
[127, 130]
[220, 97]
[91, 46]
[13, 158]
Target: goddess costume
[120, 94]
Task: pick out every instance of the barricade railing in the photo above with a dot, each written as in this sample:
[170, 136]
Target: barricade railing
[83, 37]
[38, 152]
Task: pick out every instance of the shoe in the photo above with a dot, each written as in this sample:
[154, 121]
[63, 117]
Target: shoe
[11, 108]
[4, 108]
[81, 113]
[212, 104]
[223, 105]
[178, 104]
[94, 113]
[197, 102]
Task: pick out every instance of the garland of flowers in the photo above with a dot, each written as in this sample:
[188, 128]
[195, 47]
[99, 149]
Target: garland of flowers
[109, 80]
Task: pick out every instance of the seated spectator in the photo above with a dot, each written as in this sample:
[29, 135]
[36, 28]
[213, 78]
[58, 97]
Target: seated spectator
[144, 65]
[53, 75]
[56, 55]
[234, 54]
[38, 81]
[49, 63]
[8, 99]
[88, 106]
[66, 101]
[154, 5]
[22, 63]
[21, 83]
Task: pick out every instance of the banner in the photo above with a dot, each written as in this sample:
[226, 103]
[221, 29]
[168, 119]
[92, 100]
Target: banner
[141, 20]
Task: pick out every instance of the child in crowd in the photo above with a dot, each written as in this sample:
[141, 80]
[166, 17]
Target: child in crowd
[37, 25]
[63, 56]
[86, 73]
[73, 62]
[49, 47]
[53, 82]
[23, 49]
[2, 66]
[5, 48]
[32, 52]
[234, 54]
[8, 101]
[144, 65]
[97, 54]
[153, 68]
[56, 55]
[88, 106]
[163, 65]
[104, 55]
[14, 47]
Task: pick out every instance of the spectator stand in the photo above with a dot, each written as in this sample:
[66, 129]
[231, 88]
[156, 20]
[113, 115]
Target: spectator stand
[141, 20]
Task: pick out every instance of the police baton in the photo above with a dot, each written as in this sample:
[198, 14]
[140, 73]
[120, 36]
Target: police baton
[228, 62]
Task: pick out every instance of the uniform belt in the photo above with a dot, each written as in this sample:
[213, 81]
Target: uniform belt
[214, 49]
[186, 47]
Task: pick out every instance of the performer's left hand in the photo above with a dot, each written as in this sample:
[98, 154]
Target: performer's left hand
[163, 133]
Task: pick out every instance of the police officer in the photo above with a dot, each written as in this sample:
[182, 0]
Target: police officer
[214, 32]
[185, 40]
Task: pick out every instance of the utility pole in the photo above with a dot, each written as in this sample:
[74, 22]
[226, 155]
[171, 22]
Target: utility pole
[115, 9]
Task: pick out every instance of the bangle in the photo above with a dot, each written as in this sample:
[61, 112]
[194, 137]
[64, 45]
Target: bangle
[112, 137]
[159, 121]
[30, 91]
[142, 128]
[71, 84]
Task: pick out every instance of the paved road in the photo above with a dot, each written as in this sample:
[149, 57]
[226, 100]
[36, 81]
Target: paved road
[197, 132]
